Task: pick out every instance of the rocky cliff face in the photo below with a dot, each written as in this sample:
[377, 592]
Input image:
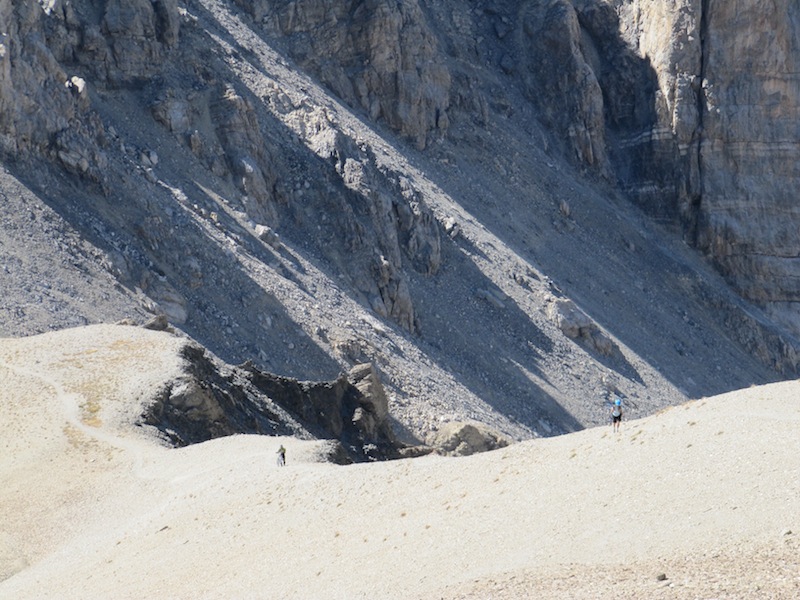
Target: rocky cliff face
[695, 104]
[750, 152]
[378, 56]
[728, 74]
[133, 46]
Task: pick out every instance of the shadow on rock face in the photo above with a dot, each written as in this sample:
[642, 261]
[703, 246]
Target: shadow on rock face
[216, 400]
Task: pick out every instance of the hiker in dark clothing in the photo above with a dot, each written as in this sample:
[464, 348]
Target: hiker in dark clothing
[281, 456]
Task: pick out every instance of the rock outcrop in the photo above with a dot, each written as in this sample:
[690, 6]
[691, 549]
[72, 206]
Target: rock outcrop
[577, 325]
[44, 104]
[353, 409]
[133, 39]
[215, 400]
[381, 57]
[39, 98]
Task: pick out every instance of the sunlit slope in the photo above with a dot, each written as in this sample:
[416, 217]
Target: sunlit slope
[94, 506]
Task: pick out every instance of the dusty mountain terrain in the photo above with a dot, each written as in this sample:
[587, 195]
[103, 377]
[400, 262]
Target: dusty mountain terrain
[699, 501]
[509, 209]
[210, 176]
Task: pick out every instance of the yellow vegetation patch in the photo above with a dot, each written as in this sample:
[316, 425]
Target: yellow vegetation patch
[90, 413]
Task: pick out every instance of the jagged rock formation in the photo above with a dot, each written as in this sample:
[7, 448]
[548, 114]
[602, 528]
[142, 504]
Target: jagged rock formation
[353, 409]
[214, 400]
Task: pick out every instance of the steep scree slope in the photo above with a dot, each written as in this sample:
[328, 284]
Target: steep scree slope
[311, 185]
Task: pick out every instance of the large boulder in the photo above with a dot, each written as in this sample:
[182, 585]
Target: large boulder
[577, 325]
[463, 439]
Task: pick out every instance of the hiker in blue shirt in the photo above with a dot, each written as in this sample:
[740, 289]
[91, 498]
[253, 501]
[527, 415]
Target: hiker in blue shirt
[616, 413]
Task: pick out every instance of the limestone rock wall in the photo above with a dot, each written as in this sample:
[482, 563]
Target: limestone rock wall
[729, 98]
[666, 39]
[619, 98]
[691, 107]
[750, 154]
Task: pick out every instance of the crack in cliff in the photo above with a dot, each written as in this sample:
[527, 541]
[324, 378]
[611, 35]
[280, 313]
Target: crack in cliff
[697, 194]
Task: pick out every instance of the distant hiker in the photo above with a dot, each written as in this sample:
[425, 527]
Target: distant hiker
[281, 456]
[616, 413]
